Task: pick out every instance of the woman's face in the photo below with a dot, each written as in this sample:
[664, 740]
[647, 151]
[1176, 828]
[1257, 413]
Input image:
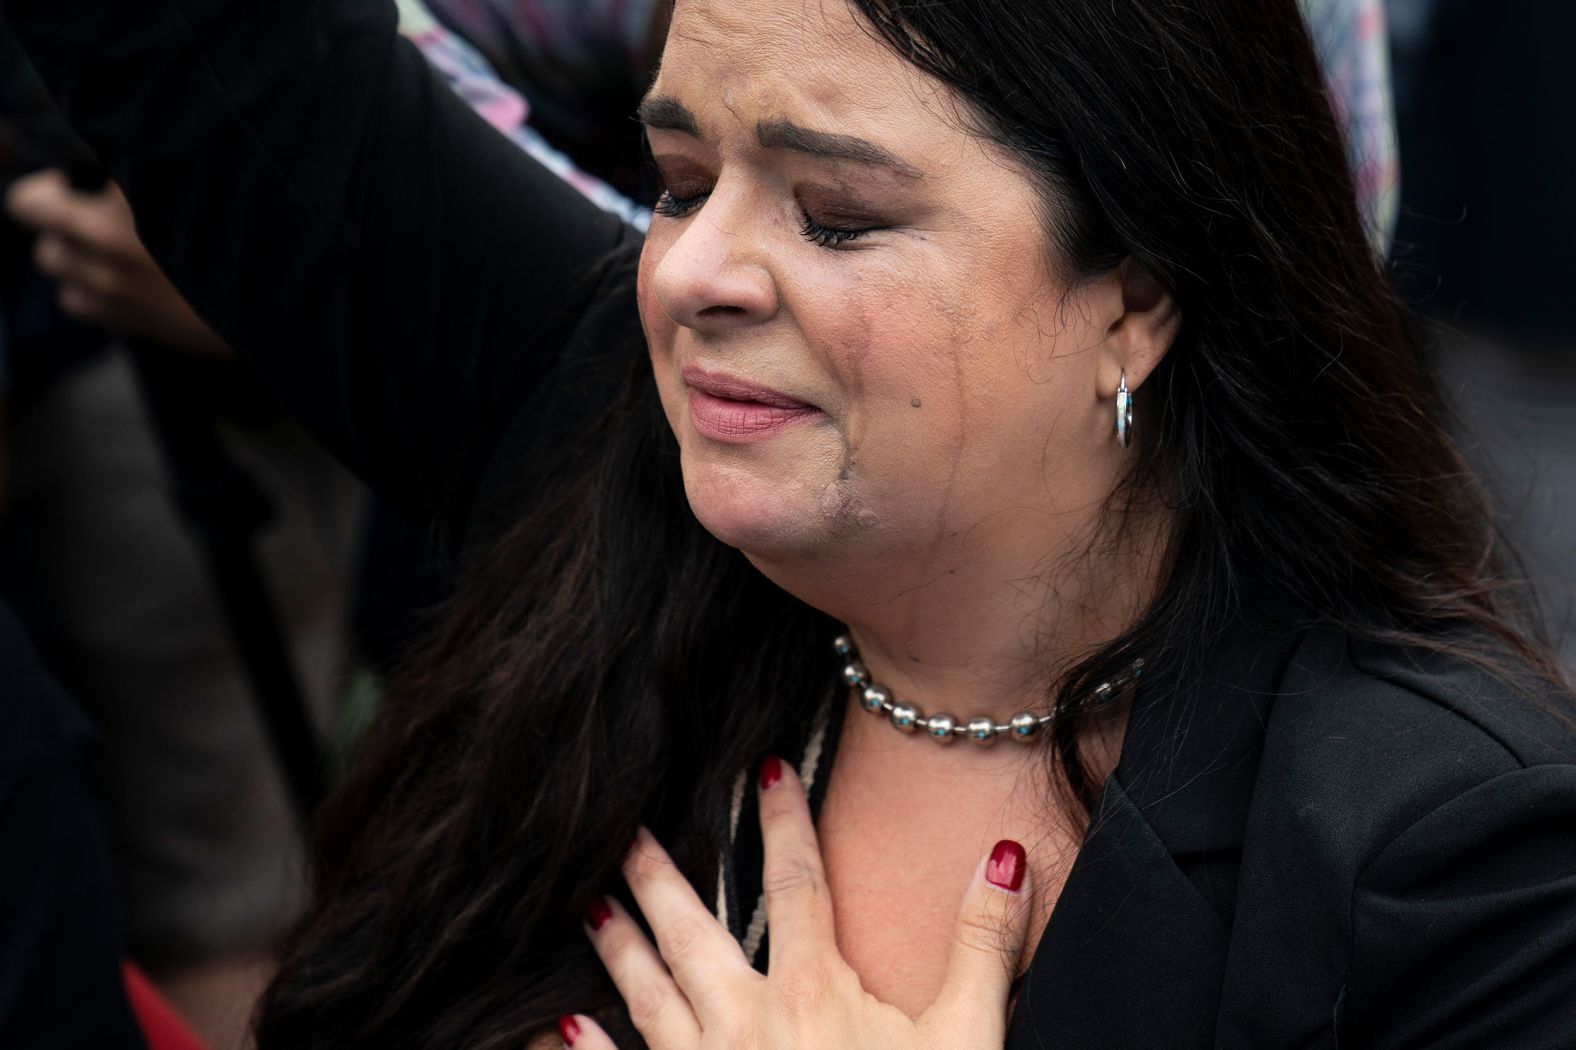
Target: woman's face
[849, 300]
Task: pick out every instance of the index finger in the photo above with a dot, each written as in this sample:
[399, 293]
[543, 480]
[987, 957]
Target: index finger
[799, 911]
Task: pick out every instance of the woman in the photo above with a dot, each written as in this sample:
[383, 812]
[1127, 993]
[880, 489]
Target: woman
[1036, 344]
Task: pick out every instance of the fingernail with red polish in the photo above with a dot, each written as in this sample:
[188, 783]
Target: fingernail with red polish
[598, 912]
[771, 771]
[568, 1029]
[1006, 866]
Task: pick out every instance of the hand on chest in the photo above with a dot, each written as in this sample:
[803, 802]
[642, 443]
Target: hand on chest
[901, 835]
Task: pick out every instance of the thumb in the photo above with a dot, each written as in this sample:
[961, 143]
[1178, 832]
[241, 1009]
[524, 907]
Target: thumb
[971, 1009]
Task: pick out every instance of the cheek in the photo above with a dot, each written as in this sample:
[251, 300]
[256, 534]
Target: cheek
[958, 387]
[884, 343]
[893, 355]
[903, 347]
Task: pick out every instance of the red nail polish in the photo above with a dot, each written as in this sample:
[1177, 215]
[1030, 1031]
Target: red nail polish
[568, 1029]
[771, 771]
[1006, 866]
[598, 912]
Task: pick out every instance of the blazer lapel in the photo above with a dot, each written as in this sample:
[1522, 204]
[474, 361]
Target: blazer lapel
[1127, 921]
[1134, 954]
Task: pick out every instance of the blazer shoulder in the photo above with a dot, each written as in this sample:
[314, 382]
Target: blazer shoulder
[1412, 817]
[1533, 719]
[1366, 738]
[1337, 682]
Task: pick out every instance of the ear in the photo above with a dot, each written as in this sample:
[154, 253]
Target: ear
[1138, 338]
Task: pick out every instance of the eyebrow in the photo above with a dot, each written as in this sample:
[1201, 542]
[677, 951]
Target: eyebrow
[669, 114]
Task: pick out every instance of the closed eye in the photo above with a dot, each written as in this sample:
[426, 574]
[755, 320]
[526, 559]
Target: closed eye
[671, 206]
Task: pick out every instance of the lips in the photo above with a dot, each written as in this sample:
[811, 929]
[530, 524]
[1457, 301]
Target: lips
[735, 411]
[732, 388]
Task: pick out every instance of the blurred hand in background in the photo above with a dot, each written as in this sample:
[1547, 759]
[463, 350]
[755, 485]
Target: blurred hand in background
[88, 242]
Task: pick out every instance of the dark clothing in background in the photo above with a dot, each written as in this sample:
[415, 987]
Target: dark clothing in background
[37, 344]
[403, 580]
[1487, 101]
[424, 291]
[111, 581]
[1329, 843]
[60, 946]
[101, 566]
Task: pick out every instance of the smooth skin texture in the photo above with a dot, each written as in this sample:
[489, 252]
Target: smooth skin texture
[694, 988]
[946, 501]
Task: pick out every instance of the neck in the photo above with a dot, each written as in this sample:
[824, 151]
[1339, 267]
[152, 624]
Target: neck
[987, 626]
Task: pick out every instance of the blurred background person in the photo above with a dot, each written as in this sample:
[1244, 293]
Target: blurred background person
[205, 837]
[103, 567]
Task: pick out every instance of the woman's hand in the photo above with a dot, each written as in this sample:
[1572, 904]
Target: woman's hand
[694, 990]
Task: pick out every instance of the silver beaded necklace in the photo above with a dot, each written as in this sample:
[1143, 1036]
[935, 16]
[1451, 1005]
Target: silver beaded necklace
[943, 729]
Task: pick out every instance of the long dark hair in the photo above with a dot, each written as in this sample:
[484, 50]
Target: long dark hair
[608, 663]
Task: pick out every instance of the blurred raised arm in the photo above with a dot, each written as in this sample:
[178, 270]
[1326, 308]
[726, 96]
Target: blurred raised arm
[408, 280]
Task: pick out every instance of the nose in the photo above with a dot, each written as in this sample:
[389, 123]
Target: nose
[714, 277]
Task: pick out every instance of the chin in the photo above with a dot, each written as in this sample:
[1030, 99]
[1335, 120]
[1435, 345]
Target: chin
[765, 516]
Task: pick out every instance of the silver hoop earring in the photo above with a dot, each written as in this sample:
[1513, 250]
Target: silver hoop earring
[1124, 414]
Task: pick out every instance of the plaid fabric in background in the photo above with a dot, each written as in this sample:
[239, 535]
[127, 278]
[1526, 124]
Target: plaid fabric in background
[473, 79]
[1353, 44]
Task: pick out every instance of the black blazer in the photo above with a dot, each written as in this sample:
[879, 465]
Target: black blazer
[1330, 844]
